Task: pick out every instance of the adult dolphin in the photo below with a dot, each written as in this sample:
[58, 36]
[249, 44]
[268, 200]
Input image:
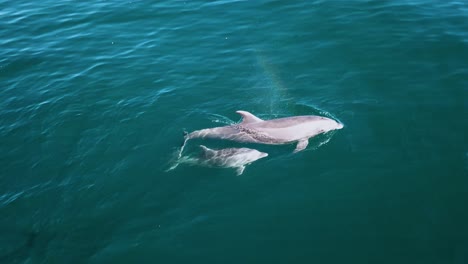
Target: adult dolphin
[275, 131]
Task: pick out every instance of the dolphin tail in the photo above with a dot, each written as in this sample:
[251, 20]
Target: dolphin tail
[179, 153]
[175, 165]
[186, 138]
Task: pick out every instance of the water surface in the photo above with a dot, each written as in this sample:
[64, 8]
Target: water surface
[95, 97]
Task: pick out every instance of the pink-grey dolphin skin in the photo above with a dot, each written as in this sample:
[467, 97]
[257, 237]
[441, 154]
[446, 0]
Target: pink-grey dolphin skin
[236, 158]
[274, 132]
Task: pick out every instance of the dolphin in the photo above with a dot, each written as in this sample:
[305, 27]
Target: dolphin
[236, 158]
[274, 132]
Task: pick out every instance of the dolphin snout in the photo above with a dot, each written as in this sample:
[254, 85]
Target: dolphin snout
[339, 126]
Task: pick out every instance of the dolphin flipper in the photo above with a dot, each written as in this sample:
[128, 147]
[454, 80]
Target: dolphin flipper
[301, 145]
[240, 170]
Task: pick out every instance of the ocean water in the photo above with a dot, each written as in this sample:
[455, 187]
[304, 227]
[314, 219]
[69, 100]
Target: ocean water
[95, 97]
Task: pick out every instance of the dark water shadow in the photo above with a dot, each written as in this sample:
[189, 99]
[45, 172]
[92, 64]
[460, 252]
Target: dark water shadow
[20, 244]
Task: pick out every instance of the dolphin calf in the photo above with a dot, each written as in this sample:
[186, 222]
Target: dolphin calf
[275, 131]
[236, 158]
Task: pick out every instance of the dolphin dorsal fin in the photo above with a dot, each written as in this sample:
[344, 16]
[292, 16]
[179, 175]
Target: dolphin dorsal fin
[207, 151]
[248, 117]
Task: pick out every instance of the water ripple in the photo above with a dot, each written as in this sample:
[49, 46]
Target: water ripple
[95, 95]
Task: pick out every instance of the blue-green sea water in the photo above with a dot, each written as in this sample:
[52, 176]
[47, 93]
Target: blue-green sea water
[95, 97]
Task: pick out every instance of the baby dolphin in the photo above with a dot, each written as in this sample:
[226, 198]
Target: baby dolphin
[274, 132]
[236, 158]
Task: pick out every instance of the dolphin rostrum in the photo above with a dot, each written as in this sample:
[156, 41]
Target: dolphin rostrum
[275, 131]
[236, 158]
